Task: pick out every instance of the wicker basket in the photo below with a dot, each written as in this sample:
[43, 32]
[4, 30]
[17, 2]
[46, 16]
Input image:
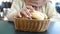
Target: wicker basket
[31, 25]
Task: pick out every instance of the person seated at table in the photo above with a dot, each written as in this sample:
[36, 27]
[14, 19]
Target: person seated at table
[20, 7]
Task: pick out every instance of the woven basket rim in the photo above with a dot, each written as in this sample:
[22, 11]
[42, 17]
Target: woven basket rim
[29, 19]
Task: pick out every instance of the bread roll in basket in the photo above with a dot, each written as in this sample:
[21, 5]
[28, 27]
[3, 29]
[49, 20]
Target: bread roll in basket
[38, 23]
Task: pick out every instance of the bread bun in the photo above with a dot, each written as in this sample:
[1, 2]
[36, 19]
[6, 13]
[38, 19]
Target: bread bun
[38, 15]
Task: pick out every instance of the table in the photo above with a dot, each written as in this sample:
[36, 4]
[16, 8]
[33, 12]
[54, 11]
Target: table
[8, 28]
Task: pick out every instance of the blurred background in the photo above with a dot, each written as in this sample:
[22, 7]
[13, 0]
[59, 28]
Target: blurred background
[5, 5]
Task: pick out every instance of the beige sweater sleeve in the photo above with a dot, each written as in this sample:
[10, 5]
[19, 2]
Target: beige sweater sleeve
[17, 5]
[52, 13]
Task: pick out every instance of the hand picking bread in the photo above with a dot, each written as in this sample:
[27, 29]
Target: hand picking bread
[38, 15]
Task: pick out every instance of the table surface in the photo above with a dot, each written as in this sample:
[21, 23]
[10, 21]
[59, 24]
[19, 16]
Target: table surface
[8, 28]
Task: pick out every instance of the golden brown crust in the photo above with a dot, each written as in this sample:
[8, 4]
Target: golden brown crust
[39, 15]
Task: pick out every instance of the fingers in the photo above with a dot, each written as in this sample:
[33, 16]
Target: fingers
[30, 8]
[19, 14]
[24, 13]
[28, 12]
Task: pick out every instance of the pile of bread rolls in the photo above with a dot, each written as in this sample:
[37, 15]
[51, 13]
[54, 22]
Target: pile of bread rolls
[38, 15]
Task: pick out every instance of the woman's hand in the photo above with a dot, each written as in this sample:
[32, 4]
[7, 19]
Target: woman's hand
[26, 11]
